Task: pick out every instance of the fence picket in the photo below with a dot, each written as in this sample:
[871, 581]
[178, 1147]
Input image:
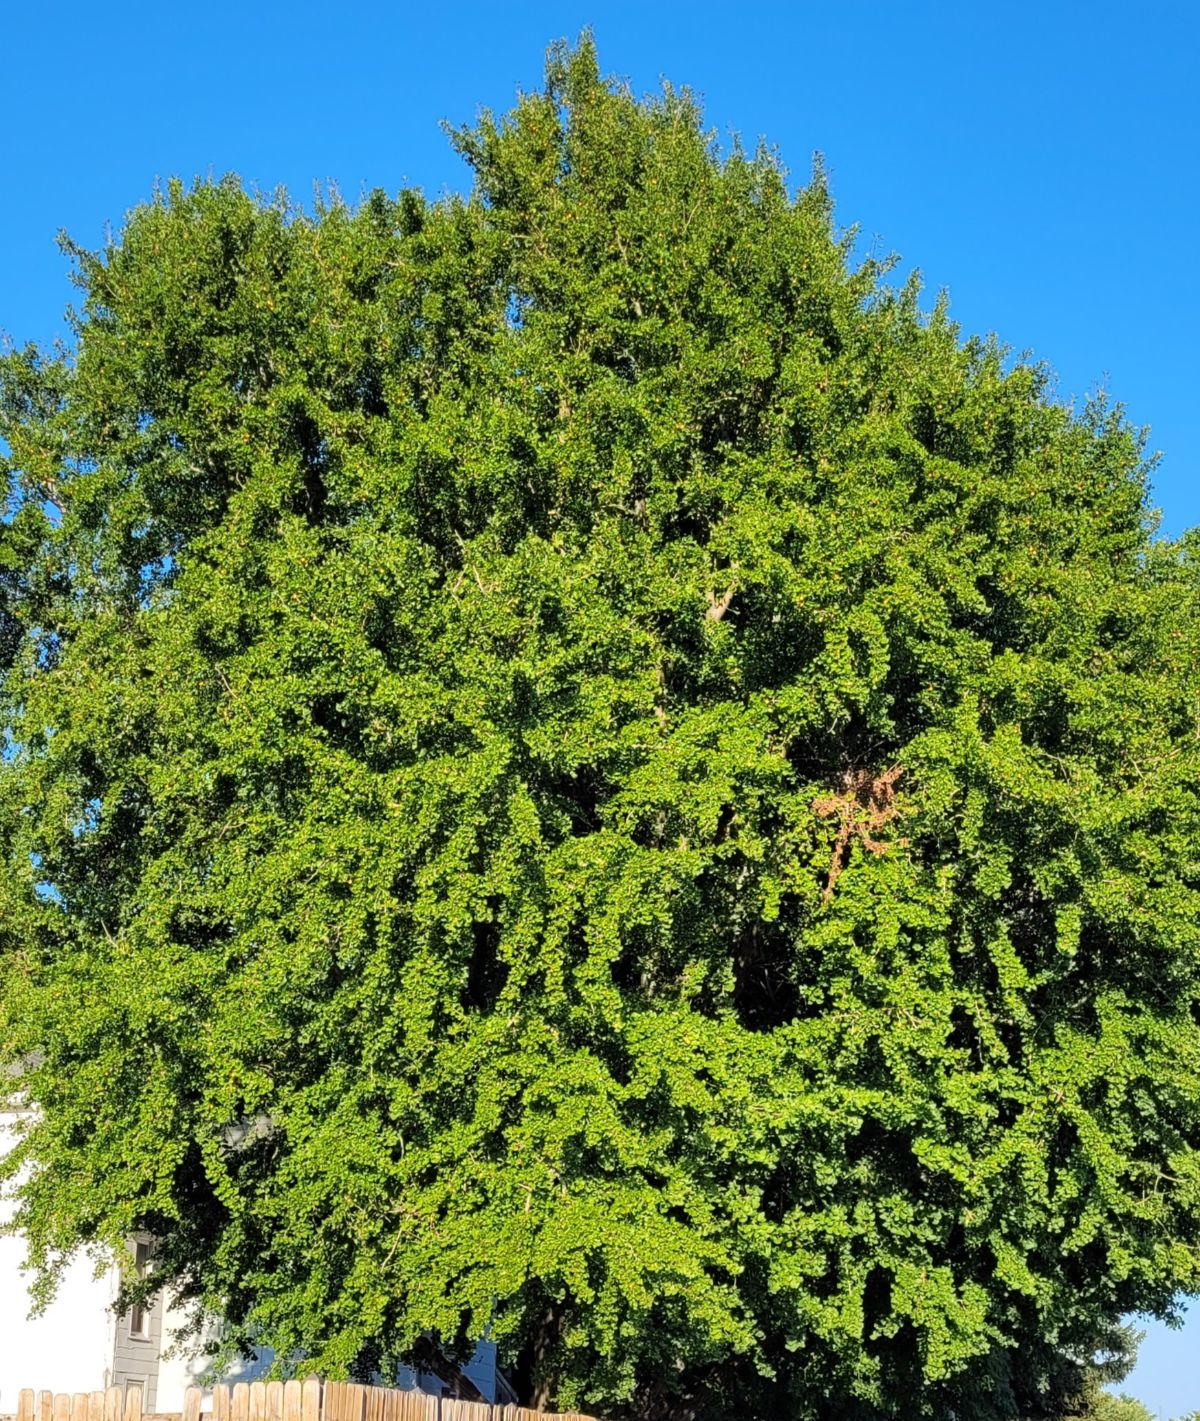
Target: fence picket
[258, 1401]
[423, 1407]
[220, 1402]
[133, 1404]
[274, 1401]
[25, 1407]
[341, 1401]
[310, 1400]
[239, 1402]
[192, 1398]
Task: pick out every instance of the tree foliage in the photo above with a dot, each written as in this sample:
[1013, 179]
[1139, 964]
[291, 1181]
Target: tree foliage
[579, 765]
[1110, 1407]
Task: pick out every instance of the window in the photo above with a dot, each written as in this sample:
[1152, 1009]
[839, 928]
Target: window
[139, 1314]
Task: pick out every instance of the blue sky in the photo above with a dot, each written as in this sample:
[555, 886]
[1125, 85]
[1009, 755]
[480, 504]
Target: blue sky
[1038, 161]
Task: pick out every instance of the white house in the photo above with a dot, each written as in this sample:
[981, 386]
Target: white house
[80, 1343]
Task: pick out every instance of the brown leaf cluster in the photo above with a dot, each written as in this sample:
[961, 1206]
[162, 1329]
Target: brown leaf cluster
[862, 804]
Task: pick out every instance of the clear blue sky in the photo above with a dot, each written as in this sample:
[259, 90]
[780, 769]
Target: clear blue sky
[1039, 161]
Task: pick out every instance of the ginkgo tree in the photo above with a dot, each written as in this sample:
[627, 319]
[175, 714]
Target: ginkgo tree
[580, 766]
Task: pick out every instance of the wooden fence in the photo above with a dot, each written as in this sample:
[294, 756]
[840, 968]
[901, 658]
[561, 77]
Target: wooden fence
[310, 1400]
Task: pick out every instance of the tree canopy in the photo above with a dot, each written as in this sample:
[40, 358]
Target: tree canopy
[578, 764]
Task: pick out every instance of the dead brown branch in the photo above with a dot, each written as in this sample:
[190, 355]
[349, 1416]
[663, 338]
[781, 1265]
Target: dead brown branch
[862, 805]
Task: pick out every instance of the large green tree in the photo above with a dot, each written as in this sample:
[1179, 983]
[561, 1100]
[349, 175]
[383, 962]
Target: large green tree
[578, 764]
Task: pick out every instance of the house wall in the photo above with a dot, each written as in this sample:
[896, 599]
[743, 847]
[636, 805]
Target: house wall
[67, 1348]
[135, 1354]
[182, 1369]
[79, 1344]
